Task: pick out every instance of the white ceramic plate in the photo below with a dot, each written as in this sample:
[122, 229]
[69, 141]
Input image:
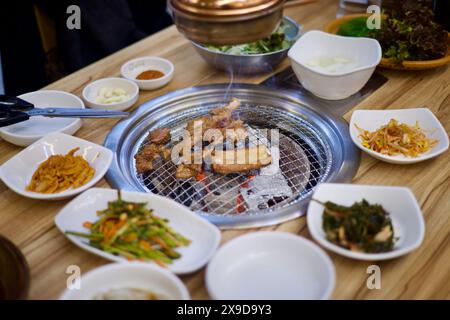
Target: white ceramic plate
[205, 237]
[373, 119]
[131, 69]
[128, 275]
[25, 133]
[91, 91]
[16, 173]
[270, 266]
[400, 202]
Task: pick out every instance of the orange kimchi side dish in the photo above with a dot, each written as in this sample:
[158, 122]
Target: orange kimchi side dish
[61, 172]
[397, 139]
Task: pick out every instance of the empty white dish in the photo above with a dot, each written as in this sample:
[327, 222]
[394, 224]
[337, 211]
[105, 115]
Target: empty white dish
[92, 91]
[16, 173]
[270, 266]
[365, 54]
[399, 202]
[204, 236]
[25, 133]
[373, 119]
[133, 68]
[131, 276]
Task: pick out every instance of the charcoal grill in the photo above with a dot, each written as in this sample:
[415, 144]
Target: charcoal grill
[314, 147]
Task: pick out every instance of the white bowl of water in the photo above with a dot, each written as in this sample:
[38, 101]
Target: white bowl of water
[334, 67]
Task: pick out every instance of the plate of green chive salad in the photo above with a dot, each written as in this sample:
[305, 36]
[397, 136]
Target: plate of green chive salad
[366, 222]
[133, 226]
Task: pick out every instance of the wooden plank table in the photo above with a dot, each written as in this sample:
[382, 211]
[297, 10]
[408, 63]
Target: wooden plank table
[422, 274]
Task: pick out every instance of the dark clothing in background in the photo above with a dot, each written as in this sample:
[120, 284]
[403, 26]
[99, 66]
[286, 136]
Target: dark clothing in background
[22, 55]
[106, 27]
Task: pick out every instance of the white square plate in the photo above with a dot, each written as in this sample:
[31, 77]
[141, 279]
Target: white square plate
[373, 119]
[407, 219]
[205, 236]
[17, 172]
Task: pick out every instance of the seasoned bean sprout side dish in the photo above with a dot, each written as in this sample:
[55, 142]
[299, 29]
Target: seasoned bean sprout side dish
[397, 139]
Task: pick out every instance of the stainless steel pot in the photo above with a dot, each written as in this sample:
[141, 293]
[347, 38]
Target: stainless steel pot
[252, 63]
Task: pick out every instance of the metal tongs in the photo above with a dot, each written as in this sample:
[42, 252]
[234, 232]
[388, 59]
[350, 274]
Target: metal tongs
[14, 110]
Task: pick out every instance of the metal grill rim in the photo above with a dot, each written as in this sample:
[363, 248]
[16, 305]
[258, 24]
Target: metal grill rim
[127, 135]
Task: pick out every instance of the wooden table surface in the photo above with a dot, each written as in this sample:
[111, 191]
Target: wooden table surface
[423, 274]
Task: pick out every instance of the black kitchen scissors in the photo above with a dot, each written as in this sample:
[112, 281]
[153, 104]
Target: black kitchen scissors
[14, 110]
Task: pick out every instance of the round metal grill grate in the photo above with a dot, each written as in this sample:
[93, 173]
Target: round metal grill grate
[305, 160]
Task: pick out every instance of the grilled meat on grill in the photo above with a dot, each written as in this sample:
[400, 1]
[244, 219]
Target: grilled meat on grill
[187, 171]
[241, 160]
[148, 154]
[142, 164]
[219, 118]
[159, 136]
[230, 161]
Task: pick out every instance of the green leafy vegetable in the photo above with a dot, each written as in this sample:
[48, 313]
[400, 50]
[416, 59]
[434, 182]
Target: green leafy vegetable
[408, 32]
[355, 28]
[275, 42]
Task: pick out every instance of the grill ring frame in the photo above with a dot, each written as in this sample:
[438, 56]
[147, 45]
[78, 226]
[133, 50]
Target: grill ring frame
[126, 135]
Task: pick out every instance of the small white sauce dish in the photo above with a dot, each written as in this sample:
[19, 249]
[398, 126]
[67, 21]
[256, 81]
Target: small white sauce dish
[25, 133]
[134, 275]
[92, 91]
[372, 120]
[270, 266]
[17, 172]
[204, 236]
[364, 52]
[131, 69]
[399, 202]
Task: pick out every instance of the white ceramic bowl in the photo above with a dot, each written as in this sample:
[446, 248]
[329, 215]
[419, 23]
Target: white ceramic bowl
[91, 91]
[269, 266]
[16, 173]
[131, 69]
[128, 275]
[407, 219]
[373, 119]
[340, 85]
[204, 236]
[25, 133]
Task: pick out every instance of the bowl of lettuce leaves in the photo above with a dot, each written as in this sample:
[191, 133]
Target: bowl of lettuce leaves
[256, 57]
[409, 36]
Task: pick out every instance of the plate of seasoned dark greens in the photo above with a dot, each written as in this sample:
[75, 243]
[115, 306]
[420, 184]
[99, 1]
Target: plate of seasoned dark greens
[366, 222]
[139, 227]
